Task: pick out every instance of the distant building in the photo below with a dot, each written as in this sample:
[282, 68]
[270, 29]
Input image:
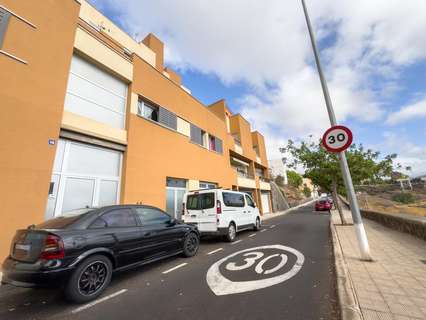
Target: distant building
[278, 168]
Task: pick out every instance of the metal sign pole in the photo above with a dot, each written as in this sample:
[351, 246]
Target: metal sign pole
[356, 215]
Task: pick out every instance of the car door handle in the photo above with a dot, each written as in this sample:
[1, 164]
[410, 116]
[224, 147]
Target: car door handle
[244, 211]
[147, 234]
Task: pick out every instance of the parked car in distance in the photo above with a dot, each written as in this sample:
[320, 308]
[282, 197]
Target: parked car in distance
[80, 250]
[323, 205]
[220, 212]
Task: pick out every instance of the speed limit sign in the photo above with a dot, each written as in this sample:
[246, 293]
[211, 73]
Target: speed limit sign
[337, 139]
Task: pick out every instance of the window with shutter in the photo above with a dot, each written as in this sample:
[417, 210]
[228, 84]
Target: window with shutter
[219, 145]
[4, 21]
[167, 118]
[196, 135]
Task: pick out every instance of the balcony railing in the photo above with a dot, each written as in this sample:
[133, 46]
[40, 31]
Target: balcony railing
[243, 174]
[264, 179]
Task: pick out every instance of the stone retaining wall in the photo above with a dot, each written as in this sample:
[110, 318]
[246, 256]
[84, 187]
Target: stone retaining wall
[415, 226]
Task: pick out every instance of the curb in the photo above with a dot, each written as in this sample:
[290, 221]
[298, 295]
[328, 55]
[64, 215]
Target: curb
[282, 213]
[349, 305]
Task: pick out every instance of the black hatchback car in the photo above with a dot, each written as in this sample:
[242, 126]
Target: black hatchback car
[81, 249]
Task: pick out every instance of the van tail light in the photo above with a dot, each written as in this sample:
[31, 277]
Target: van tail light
[218, 207]
[183, 208]
[53, 248]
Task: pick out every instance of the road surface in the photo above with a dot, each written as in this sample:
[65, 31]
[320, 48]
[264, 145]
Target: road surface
[290, 277]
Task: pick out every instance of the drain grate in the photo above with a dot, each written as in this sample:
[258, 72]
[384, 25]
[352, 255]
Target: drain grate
[424, 261]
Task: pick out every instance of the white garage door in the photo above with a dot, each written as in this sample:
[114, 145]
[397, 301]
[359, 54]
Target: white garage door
[95, 94]
[265, 202]
[83, 175]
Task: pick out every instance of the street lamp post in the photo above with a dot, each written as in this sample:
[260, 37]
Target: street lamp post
[356, 215]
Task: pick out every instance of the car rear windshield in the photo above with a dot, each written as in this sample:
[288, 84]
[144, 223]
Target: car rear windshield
[200, 201]
[323, 201]
[63, 221]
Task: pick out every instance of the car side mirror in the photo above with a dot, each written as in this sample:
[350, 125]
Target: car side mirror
[172, 221]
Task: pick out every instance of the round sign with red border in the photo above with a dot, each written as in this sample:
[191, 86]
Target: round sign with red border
[337, 138]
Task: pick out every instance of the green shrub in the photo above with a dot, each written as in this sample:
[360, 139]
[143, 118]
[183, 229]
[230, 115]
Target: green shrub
[403, 197]
[306, 191]
[294, 178]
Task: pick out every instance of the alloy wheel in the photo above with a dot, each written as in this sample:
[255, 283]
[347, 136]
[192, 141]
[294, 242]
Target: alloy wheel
[191, 244]
[92, 278]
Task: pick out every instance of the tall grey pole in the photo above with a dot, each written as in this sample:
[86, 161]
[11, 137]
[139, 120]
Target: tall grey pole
[356, 215]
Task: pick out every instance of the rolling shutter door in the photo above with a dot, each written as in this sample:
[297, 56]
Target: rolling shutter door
[167, 118]
[96, 94]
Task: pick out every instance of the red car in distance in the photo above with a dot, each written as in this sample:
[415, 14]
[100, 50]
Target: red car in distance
[323, 205]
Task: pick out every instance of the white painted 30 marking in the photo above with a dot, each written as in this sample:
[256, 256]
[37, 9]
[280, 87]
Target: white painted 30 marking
[221, 285]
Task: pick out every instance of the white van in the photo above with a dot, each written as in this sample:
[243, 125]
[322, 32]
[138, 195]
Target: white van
[220, 212]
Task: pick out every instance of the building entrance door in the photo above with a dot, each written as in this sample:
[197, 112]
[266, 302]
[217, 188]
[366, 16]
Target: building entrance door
[83, 176]
[175, 190]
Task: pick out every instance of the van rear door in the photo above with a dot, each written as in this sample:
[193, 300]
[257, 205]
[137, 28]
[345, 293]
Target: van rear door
[201, 210]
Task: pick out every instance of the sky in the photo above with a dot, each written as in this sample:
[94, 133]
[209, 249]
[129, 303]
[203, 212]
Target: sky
[257, 55]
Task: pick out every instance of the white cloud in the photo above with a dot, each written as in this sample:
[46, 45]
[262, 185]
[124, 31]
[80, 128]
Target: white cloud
[409, 112]
[409, 154]
[266, 45]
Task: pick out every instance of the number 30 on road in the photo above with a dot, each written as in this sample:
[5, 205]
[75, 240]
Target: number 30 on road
[337, 139]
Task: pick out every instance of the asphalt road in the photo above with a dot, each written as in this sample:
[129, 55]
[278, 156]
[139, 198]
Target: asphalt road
[290, 277]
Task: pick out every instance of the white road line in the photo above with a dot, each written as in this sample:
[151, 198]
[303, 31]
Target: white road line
[273, 226]
[252, 235]
[214, 251]
[238, 241]
[91, 304]
[174, 268]
[263, 230]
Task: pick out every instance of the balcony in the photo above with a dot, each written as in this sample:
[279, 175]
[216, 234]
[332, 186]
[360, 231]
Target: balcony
[264, 183]
[238, 148]
[245, 179]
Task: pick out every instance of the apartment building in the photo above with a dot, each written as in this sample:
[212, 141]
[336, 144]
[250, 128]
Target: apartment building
[90, 117]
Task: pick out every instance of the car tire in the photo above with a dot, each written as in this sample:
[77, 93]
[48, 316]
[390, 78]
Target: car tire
[191, 244]
[89, 279]
[231, 233]
[257, 224]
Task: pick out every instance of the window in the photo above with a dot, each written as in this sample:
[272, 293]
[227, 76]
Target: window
[197, 135]
[233, 199]
[212, 143]
[150, 216]
[175, 182]
[215, 144]
[207, 185]
[250, 201]
[200, 201]
[148, 110]
[115, 218]
[259, 172]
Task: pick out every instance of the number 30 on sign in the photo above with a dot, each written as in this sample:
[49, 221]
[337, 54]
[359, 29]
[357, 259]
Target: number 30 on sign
[337, 139]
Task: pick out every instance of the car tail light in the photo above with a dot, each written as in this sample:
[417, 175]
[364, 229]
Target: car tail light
[183, 208]
[218, 207]
[53, 248]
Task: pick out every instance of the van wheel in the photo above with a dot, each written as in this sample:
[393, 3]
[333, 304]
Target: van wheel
[190, 245]
[232, 233]
[257, 225]
[89, 279]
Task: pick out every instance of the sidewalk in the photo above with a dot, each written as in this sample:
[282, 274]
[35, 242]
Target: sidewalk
[284, 212]
[394, 285]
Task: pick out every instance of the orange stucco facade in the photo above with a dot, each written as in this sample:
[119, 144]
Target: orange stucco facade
[35, 58]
